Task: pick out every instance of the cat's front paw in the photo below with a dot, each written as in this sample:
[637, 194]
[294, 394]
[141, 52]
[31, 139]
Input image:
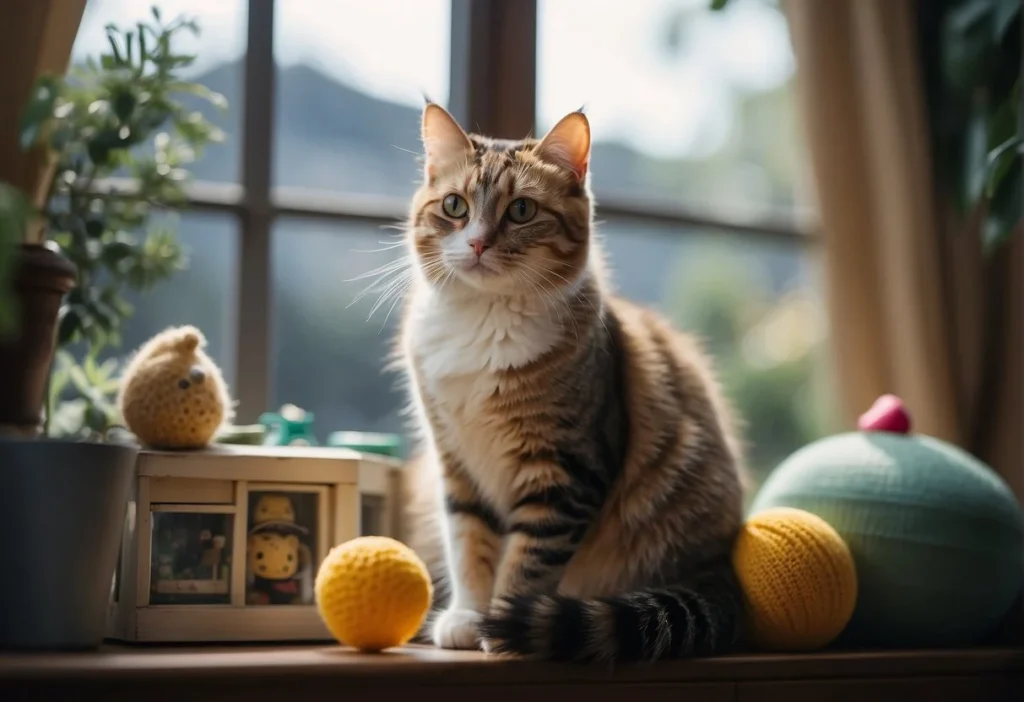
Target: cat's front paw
[458, 629]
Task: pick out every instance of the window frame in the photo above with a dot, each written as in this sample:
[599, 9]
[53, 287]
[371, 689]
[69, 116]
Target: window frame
[492, 88]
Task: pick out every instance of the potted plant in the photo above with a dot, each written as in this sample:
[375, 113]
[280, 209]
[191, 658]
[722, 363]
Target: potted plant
[127, 118]
[35, 278]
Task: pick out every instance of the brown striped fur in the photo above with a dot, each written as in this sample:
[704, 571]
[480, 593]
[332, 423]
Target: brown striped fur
[578, 487]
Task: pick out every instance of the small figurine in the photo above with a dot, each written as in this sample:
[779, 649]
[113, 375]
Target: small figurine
[274, 510]
[273, 564]
[172, 394]
[165, 567]
[292, 426]
[212, 556]
[279, 565]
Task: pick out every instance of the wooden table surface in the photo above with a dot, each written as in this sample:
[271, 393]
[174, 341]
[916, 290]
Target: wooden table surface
[282, 673]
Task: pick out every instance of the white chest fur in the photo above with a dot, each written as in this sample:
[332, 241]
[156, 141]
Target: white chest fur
[460, 346]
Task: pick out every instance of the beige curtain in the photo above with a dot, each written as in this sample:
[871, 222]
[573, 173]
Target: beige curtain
[37, 39]
[911, 298]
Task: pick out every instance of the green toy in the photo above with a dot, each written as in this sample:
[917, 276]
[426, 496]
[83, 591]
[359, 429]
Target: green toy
[291, 426]
[936, 535]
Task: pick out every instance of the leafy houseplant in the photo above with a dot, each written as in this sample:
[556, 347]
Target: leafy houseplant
[120, 117]
[117, 120]
[971, 50]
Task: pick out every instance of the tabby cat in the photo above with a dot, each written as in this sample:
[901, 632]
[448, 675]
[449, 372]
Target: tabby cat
[580, 479]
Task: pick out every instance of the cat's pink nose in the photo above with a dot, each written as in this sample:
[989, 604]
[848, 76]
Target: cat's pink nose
[478, 246]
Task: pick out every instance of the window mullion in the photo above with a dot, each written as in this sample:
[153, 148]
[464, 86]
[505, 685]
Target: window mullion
[494, 66]
[254, 299]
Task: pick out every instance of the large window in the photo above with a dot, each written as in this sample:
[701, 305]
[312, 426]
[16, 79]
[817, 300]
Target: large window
[698, 168]
[351, 76]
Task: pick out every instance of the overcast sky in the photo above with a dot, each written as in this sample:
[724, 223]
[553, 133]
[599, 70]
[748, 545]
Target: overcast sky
[590, 52]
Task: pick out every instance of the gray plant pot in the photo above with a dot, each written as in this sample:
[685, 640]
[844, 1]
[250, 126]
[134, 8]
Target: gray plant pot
[62, 507]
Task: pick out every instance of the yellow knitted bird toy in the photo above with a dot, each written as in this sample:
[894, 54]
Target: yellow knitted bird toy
[373, 593]
[798, 580]
[172, 394]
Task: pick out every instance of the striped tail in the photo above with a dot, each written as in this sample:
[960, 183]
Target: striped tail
[660, 623]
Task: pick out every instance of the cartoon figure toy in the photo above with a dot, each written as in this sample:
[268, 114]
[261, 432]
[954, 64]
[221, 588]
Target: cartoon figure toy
[279, 565]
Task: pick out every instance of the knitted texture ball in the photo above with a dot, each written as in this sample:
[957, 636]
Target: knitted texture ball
[936, 535]
[172, 394]
[798, 580]
[373, 593]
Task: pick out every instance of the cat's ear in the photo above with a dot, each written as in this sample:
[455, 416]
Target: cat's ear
[568, 144]
[444, 141]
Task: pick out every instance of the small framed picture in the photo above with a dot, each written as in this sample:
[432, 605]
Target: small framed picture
[286, 542]
[190, 557]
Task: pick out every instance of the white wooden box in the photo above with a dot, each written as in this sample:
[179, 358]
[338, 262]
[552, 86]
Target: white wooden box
[223, 544]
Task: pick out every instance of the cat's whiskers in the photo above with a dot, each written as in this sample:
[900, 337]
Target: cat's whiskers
[397, 289]
[397, 298]
[538, 288]
[384, 279]
[579, 293]
[388, 267]
[522, 277]
[385, 246]
[391, 279]
[558, 296]
[447, 278]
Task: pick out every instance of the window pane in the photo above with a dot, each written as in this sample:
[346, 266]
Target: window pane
[329, 354]
[351, 80]
[203, 294]
[756, 307]
[219, 49]
[686, 104]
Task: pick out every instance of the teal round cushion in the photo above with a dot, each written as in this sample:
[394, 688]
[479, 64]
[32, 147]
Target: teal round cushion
[937, 537]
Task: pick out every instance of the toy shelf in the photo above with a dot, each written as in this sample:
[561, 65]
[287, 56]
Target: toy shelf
[222, 544]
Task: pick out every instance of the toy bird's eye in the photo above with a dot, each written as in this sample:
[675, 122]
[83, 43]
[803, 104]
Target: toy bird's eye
[184, 384]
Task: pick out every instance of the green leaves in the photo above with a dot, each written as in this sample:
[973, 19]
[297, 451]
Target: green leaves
[1004, 210]
[15, 212]
[1003, 14]
[1000, 161]
[38, 110]
[125, 113]
[120, 115]
[976, 110]
[83, 396]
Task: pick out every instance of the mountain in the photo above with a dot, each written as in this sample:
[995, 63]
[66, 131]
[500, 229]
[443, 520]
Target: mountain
[330, 136]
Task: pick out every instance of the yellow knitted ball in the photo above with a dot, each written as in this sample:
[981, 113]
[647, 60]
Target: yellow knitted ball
[798, 579]
[373, 593]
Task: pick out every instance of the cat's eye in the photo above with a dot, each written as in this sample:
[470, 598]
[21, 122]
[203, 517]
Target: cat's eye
[522, 210]
[455, 206]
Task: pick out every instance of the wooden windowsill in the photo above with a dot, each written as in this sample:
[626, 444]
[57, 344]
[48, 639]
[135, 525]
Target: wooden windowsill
[282, 673]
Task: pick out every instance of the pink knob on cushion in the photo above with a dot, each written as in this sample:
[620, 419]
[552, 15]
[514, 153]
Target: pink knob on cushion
[887, 414]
